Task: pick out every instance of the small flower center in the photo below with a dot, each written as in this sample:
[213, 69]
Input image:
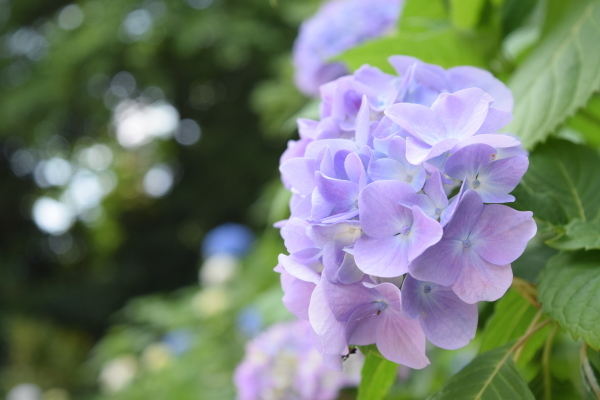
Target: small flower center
[426, 289]
[405, 230]
[438, 211]
[466, 243]
[409, 178]
[476, 183]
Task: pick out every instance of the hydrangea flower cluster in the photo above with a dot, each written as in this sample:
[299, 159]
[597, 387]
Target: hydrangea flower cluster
[328, 34]
[282, 363]
[396, 228]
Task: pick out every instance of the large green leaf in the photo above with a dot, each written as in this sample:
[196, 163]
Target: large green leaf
[561, 183]
[578, 235]
[378, 375]
[569, 291]
[512, 317]
[490, 376]
[559, 76]
[425, 32]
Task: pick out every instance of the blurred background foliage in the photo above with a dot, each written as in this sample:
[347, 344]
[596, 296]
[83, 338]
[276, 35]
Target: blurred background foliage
[130, 129]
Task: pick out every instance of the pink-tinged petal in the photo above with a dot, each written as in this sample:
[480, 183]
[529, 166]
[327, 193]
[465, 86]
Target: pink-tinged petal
[349, 272]
[418, 120]
[467, 161]
[363, 123]
[466, 215]
[497, 179]
[447, 321]
[354, 167]
[495, 140]
[424, 233]
[380, 213]
[387, 257]
[326, 326]
[294, 234]
[299, 172]
[298, 269]
[462, 112]
[401, 340]
[480, 280]
[501, 234]
[361, 329]
[344, 299]
[440, 263]
[297, 298]
[467, 76]
[418, 152]
[495, 120]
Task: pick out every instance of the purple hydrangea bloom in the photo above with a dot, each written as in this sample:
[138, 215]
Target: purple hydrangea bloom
[328, 33]
[281, 363]
[475, 253]
[395, 232]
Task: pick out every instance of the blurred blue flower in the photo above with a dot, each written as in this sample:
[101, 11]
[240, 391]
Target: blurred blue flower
[229, 238]
[178, 341]
[250, 321]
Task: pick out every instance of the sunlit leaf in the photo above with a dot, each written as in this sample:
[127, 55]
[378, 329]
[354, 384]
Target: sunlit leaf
[378, 375]
[559, 75]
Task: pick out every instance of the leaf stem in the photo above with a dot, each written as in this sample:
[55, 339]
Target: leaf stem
[534, 321]
[587, 369]
[546, 363]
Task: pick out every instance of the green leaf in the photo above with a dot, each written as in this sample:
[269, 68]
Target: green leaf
[491, 375]
[511, 319]
[425, 33]
[378, 375]
[578, 235]
[514, 13]
[465, 13]
[561, 183]
[444, 47]
[587, 121]
[558, 390]
[533, 260]
[569, 291]
[559, 75]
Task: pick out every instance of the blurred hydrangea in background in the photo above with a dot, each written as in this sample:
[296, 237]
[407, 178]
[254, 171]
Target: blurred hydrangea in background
[339, 25]
[282, 363]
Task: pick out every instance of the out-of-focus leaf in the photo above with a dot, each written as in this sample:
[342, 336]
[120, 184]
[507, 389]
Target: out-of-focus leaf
[569, 291]
[558, 390]
[378, 375]
[578, 235]
[444, 47]
[491, 375]
[425, 32]
[465, 13]
[559, 76]
[514, 13]
[587, 121]
[511, 318]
